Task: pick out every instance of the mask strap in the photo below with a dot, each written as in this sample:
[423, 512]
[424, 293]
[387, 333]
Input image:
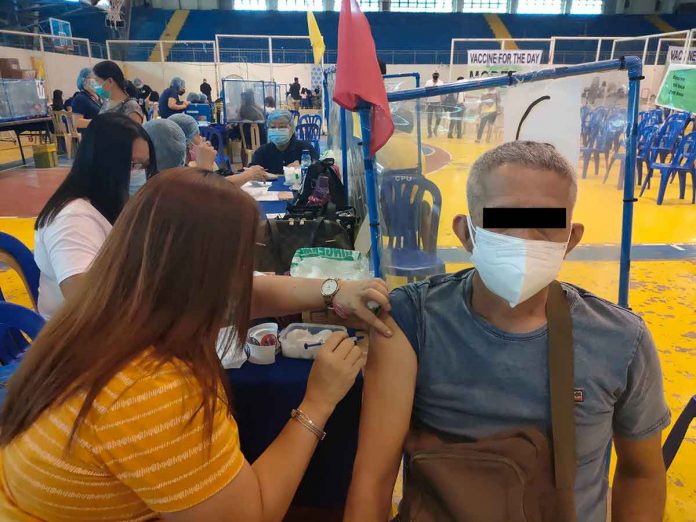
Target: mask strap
[471, 230]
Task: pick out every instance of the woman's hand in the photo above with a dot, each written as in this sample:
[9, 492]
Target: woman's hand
[333, 373]
[351, 302]
[255, 173]
[205, 158]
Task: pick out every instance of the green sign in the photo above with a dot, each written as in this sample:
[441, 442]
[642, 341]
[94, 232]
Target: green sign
[678, 90]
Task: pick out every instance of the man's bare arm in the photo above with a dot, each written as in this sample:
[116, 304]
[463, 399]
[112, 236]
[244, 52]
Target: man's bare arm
[639, 489]
[390, 382]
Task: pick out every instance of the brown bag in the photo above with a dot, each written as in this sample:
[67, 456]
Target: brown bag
[509, 477]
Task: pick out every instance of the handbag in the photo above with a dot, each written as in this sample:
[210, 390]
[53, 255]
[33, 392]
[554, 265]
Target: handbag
[344, 216]
[279, 239]
[509, 477]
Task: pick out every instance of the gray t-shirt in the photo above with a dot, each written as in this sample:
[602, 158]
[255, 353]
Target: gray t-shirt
[475, 380]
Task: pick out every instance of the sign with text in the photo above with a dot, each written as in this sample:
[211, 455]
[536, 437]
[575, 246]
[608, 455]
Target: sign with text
[678, 90]
[498, 57]
[676, 55]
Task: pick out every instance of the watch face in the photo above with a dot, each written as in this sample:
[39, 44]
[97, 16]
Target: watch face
[329, 287]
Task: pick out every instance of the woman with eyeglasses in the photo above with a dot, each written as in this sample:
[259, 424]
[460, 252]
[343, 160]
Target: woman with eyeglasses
[110, 85]
[121, 409]
[114, 159]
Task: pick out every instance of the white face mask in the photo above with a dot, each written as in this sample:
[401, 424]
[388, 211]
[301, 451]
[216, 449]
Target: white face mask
[512, 268]
[138, 177]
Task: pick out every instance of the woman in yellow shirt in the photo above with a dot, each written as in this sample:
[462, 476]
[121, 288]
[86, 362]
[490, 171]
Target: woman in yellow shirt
[121, 409]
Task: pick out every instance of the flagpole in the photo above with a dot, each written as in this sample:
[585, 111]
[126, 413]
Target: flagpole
[371, 188]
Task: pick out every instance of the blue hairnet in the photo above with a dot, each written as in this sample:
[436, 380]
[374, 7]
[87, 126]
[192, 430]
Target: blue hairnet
[192, 97]
[187, 124]
[177, 83]
[82, 76]
[282, 115]
[169, 141]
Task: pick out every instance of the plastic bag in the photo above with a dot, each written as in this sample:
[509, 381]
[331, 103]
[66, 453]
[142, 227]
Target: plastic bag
[297, 339]
[321, 263]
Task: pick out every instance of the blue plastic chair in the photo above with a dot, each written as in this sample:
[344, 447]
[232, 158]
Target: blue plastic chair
[215, 134]
[313, 119]
[644, 154]
[683, 161]
[678, 432]
[16, 317]
[18, 257]
[600, 142]
[411, 225]
[670, 134]
[309, 132]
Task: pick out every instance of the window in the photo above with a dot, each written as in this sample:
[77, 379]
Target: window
[586, 7]
[250, 5]
[421, 6]
[300, 5]
[484, 6]
[365, 5]
[540, 6]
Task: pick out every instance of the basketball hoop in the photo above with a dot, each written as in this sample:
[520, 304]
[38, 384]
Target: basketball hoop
[113, 13]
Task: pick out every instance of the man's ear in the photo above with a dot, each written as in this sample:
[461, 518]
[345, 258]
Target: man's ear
[576, 232]
[461, 230]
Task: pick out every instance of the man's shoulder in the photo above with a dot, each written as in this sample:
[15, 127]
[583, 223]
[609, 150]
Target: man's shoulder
[435, 287]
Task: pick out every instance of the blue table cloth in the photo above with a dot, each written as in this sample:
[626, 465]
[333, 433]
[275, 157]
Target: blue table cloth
[275, 207]
[264, 396]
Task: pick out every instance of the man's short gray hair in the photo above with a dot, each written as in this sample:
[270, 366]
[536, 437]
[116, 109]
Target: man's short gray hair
[530, 154]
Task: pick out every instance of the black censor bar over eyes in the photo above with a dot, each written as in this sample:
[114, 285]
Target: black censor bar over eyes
[500, 217]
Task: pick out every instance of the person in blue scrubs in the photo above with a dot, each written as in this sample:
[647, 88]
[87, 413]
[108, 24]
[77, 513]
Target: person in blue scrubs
[85, 103]
[169, 102]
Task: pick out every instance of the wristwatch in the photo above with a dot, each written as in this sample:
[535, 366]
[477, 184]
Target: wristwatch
[329, 289]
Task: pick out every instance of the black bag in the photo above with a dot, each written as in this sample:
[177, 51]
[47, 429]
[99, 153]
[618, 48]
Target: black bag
[326, 168]
[344, 216]
[279, 239]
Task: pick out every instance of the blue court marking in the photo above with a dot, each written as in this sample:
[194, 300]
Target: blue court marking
[647, 252]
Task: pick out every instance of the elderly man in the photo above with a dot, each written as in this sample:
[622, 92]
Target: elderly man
[283, 148]
[468, 357]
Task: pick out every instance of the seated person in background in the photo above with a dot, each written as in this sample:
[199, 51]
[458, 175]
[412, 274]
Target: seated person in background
[248, 110]
[192, 132]
[283, 147]
[135, 355]
[469, 353]
[270, 104]
[110, 85]
[169, 102]
[143, 94]
[114, 158]
[85, 102]
[172, 147]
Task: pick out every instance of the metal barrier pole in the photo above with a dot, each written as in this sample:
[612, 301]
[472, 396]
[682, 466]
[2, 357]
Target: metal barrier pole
[645, 50]
[344, 149]
[270, 55]
[451, 59]
[635, 71]
[599, 50]
[418, 127]
[552, 49]
[371, 188]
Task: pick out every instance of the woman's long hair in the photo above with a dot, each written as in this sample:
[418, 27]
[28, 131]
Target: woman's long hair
[101, 170]
[176, 268]
[108, 69]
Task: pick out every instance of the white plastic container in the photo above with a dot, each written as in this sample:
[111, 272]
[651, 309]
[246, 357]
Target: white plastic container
[262, 354]
[294, 338]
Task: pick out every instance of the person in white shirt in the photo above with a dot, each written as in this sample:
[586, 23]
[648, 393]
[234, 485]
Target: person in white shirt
[434, 106]
[114, 158]
[457, 113]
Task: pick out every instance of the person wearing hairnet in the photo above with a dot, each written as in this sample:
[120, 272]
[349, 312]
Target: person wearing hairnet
[169, 102]
[143, 92]
[171, 143]
[283, 147]
[85, 102]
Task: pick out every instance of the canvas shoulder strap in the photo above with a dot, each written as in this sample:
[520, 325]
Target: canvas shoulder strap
[561, 387]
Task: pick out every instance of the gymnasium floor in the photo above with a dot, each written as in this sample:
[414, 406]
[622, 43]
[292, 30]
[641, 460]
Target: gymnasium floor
[663, 276]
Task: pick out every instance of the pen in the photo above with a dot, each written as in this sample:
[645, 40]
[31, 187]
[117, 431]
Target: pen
[314, 345]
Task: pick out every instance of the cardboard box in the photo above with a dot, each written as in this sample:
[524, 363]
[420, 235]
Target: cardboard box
[45, 155]
[9, 68]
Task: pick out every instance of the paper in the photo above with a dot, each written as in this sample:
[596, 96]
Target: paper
[268, 196]
[274, 215]
[253, 190]
[552, 115]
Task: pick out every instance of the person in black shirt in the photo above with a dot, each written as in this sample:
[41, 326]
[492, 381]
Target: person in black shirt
[207, 90]
[143, 92]
[284, 148]
[58, 104]
[294, 90]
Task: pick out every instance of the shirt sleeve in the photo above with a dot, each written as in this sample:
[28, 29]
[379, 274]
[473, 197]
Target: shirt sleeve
[641, 410]
[256, 158]
[153, 439]
[79, 105]
[404, 313]
[72, 242]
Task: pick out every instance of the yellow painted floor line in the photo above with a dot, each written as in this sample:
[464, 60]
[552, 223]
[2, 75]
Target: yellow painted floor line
[660, 23]
[499, 30]
[171, 32]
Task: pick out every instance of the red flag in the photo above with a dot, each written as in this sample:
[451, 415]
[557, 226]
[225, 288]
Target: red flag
[358, 76]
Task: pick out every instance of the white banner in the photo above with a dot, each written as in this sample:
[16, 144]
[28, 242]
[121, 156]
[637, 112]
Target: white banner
[676, 55]
[495, 57]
